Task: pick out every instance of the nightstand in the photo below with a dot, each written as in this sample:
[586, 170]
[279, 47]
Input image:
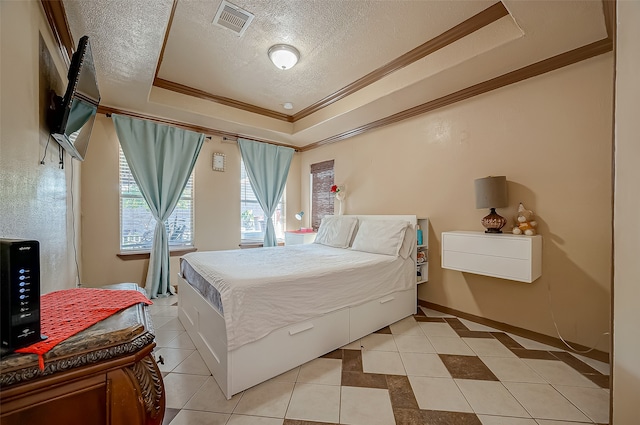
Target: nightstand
[297, 237]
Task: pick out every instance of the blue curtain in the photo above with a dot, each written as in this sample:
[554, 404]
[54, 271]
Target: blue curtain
[267, 167]
[80, 113]
[161, 159]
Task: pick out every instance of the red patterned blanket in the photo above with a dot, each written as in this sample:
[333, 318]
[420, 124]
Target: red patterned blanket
[67, 312]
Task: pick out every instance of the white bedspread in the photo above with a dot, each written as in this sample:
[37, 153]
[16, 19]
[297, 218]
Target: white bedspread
[265, 289]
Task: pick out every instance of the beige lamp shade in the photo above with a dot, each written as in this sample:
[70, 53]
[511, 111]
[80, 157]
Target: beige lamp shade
[491, 192]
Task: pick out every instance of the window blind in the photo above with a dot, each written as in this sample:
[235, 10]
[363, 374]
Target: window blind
[321, 196]
[252, 217]
[137, 225]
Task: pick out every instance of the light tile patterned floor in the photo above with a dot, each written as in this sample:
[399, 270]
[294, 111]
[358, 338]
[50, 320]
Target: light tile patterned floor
[431, 368]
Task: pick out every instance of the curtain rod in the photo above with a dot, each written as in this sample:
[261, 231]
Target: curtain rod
[225, 138]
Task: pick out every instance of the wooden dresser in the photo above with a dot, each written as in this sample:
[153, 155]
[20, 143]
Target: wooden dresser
[103, 375]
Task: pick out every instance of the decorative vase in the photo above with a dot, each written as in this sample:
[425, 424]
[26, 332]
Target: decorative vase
[493, 222]
[340, 197]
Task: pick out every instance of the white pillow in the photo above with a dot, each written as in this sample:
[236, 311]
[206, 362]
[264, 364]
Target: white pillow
[336, 231]
[380, 236]
[408, 243]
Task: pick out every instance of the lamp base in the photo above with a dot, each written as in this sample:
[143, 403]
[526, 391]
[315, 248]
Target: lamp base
[493, 222]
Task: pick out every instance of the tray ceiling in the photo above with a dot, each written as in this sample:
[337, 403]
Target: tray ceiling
[361, 61]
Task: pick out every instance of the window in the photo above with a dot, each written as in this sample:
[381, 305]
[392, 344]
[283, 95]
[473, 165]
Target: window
[136, 222]
[252, 224]
[321, 196]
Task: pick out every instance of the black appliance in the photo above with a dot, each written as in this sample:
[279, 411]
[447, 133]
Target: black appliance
[19, 293]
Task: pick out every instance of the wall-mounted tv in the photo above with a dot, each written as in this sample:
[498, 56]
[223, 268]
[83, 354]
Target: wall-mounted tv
[73, 115]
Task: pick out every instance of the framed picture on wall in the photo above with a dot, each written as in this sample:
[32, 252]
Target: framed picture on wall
[218, 161]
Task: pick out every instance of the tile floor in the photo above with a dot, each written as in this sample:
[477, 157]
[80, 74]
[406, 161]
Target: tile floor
[427, 369]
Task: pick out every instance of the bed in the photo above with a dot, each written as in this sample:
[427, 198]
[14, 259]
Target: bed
[256, 313]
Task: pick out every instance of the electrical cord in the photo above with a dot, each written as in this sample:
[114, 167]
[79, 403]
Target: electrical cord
[45, 150]
[555, 324]
[73, 226]
[73, 216]
[61, 157]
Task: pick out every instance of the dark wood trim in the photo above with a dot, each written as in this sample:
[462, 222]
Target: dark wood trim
[538, 68]
[525, 333]
[166, 37]
[480, 20]
[126, 256]
[609, 9]
[533, 70]
[610, 13]
[190, 91]
[54, 10]
[107, 110]
[201, 94]
[57, 18]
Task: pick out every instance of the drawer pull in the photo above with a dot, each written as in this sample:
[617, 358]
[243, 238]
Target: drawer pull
[386, 300]
[301, 328]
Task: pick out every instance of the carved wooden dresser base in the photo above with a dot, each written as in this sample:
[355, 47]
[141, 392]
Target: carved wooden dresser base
[103, 375]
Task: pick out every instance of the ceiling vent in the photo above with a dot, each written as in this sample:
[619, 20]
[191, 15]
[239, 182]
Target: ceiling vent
[232, 17]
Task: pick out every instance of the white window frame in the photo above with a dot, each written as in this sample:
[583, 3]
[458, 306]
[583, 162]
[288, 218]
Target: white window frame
[139, 237]
[248, 202]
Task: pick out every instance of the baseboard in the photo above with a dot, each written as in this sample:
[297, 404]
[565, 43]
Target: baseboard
[525, 333]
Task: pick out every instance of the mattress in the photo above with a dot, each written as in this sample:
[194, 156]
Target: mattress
[262, 290]
[208, 291]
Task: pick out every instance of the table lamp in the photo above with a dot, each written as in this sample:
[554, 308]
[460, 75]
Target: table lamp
[491, 192]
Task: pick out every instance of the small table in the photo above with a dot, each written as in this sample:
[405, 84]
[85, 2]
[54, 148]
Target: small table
[297, 237]
[105, 374]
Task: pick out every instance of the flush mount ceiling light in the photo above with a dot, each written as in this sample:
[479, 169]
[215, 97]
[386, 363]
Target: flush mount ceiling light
[284, 56]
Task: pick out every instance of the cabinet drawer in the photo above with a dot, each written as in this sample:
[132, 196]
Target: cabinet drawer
[501, 246]
[506, 268]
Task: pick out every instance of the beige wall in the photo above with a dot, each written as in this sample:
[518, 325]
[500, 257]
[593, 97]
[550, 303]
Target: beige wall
[217, 207]
[551, 137]
[626, 317]
[35, 199]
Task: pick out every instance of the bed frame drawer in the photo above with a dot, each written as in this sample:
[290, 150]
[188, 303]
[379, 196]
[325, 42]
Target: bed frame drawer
[376, 314]
[294, 344]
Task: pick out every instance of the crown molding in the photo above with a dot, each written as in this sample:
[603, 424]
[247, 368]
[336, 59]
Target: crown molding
[193, 92]
[476, 22]
[57, 18]
[538, 68]
[108, 110]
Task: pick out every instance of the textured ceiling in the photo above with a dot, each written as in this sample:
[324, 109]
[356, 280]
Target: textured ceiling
[339, 42]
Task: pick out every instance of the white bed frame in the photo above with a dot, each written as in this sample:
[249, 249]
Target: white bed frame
[290, 346]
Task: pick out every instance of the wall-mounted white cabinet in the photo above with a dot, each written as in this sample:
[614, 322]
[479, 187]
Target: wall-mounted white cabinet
[513, 257]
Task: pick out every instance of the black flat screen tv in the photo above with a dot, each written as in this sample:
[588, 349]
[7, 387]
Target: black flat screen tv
[73, 115]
